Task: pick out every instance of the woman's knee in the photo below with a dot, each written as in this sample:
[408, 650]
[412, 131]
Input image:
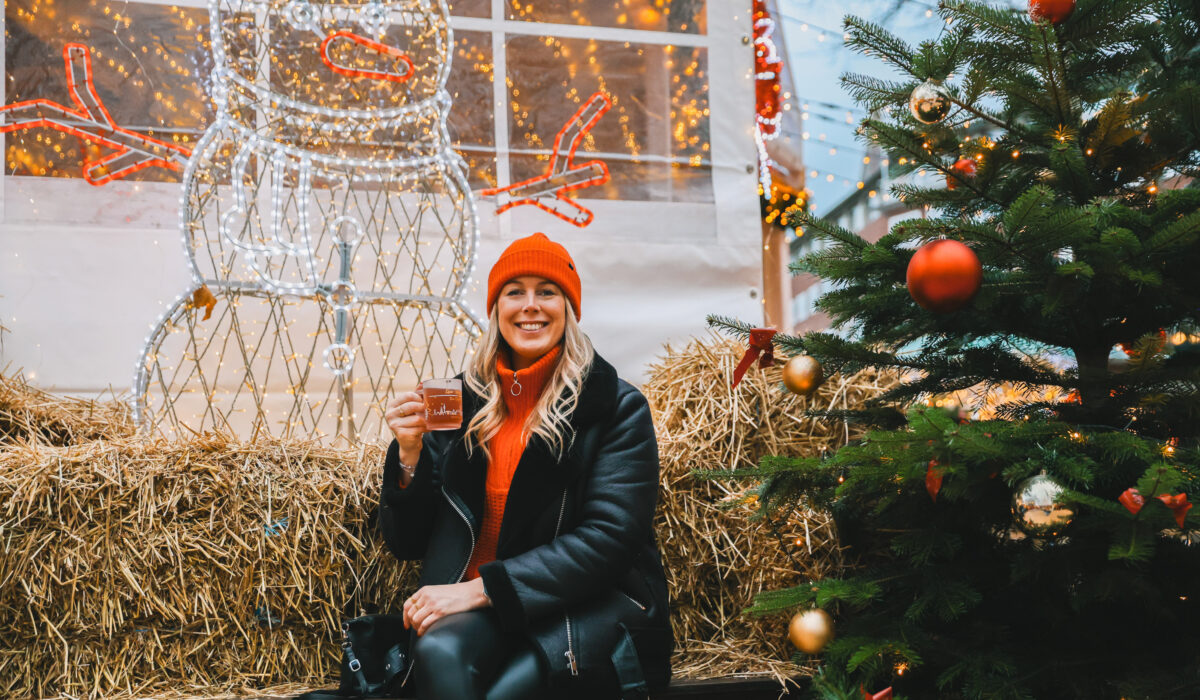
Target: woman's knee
[451, 640]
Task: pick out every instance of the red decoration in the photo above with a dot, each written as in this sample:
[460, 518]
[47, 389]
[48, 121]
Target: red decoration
[1053, 10]
[767, 69]
[549, 192]
[1132, 500]
[885, 694]
[1178, 504]
[760, 343]
[933, 479]
[943, 276]
[963, 169]
[131, 151]
[401, 58]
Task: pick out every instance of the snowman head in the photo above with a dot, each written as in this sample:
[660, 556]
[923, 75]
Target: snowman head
[329, 58]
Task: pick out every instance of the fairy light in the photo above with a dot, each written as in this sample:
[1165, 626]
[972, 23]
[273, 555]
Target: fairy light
[272, 257]
[307, 165]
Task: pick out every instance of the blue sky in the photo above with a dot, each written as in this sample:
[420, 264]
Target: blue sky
[813, 31]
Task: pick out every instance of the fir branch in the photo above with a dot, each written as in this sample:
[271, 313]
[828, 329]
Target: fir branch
[831, 231]
[875, 93]
[1052, 70]
[878, 417]
[996, 22]
[730, 326]
[1181, 233]
[1026, 211]
[869, 38]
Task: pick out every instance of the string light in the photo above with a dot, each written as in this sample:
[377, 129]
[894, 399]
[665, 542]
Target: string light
[288, 184]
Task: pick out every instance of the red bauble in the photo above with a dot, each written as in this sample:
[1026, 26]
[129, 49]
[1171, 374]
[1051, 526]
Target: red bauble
[1054, 10]
[963, 169]
[943, 276]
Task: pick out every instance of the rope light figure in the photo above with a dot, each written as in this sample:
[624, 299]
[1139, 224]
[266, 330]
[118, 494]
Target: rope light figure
[91, 122]
[328, 226]
[549, 192]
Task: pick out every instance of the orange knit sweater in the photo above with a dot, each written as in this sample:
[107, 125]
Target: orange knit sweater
[506, 449]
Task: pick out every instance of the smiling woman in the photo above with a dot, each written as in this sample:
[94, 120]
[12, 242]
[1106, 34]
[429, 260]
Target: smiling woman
[541, 574]
[531, 313]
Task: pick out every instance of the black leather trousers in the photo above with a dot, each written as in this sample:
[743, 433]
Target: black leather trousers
[466, 656]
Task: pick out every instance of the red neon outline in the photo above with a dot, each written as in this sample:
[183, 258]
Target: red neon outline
[569, 171]
[358, 73]
[102, 129]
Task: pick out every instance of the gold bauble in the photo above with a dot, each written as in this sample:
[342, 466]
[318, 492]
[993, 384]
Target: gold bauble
[930, 102]
[811, 630]
[1039, 509]
[802, 374]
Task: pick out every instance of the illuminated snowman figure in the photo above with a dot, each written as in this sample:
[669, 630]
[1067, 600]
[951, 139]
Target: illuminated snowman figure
[328, 225]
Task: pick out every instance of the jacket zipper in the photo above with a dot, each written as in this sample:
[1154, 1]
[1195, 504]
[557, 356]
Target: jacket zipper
[467, 520]
[570, 652]
[634, 601]
[462, 573]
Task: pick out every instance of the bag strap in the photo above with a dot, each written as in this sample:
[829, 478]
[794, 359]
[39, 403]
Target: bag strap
[393, 664]
[352, 661]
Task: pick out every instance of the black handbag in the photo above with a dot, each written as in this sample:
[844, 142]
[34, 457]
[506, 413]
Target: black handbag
[375, 657]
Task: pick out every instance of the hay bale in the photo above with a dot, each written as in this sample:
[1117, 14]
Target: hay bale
[209, 566]
[30, 415]
[132, 565]
[716, 558]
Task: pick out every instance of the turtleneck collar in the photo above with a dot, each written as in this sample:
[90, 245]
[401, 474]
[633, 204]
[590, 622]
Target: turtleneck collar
[532, 379]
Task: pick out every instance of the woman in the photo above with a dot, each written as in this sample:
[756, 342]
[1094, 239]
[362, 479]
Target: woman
[541, 576]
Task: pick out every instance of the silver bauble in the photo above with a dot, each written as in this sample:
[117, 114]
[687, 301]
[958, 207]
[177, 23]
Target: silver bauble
[929, 102]
[1038, 507]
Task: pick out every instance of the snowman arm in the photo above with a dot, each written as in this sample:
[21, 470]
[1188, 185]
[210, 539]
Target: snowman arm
[577, 128]
[91, 122]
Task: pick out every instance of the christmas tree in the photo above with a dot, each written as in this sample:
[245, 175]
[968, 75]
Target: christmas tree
[1042, 548]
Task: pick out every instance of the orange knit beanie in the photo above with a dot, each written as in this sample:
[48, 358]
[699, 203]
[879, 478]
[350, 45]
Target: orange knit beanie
[540, 256]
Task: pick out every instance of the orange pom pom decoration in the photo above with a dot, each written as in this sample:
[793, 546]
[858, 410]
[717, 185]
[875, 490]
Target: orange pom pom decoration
[943, 276]
[1053, 10]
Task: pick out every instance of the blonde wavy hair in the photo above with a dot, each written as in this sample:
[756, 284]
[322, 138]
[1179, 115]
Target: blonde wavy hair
[551, 415]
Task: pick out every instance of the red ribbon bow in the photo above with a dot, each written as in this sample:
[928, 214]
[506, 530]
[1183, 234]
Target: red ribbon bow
[1178, 505]
[933, 481]
[1132, 500]
[885, 694]
[760, 343]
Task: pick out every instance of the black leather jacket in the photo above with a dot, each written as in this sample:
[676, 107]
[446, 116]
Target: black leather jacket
[577, 570]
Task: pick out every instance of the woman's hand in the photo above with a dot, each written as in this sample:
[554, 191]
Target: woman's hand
[431, 603]
[405, 416]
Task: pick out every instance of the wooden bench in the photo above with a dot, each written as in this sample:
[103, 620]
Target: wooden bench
[733, 688]
[724, 689]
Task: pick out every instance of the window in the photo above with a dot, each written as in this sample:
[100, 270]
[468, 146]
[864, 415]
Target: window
[152, 69]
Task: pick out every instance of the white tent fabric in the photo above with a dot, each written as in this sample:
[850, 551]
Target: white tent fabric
[85, 270]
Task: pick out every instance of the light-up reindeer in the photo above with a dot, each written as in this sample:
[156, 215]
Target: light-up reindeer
[328, 225]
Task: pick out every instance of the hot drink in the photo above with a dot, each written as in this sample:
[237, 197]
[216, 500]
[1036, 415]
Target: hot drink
[443, 403]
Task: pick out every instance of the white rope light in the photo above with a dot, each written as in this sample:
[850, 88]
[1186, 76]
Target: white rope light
[323, 215]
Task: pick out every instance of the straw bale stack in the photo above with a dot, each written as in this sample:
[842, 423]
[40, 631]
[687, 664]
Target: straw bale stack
[28, 414]
[716, 558]
[206, 567]
[131, 565]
